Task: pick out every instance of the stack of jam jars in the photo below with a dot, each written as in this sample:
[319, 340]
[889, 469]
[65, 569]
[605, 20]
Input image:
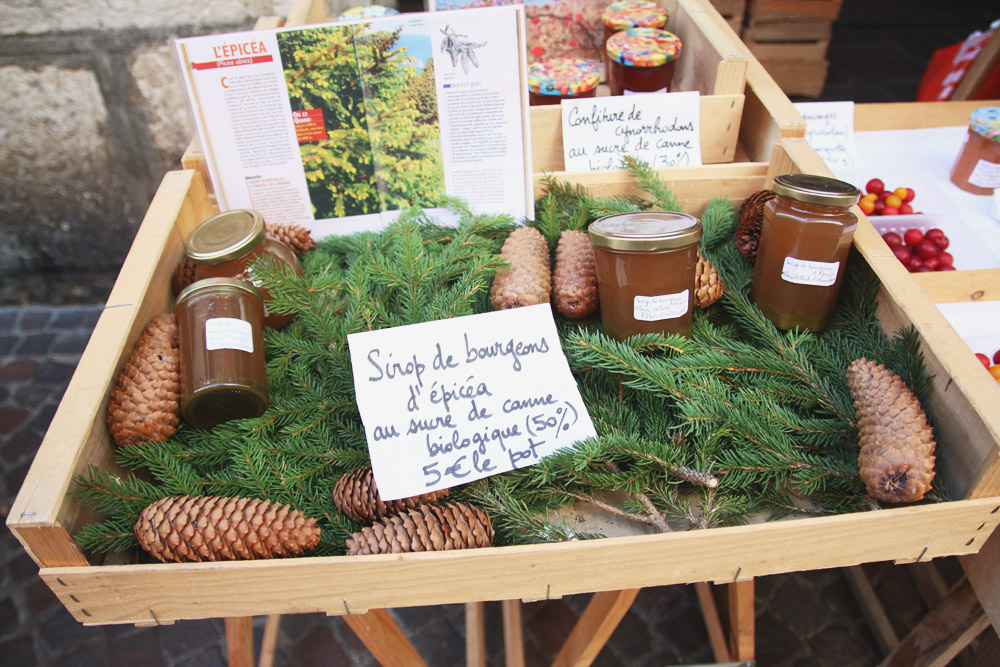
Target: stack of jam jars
[641, 60]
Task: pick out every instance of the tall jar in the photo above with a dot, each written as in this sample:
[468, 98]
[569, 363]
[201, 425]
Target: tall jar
[642, 60]
[645, 264]
[223, 374]
[228, 244]
[624, 14]
[805, 238]
[557, 79]
[977, 168]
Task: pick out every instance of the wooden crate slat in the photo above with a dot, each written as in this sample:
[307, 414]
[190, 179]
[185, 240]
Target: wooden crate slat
[794, 9]
[787, 31]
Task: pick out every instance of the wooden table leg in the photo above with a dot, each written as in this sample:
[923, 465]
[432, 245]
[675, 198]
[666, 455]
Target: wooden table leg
[384, 639]
[713, 622]
[741, 620]
[239, 641]
[475, 635]
[269, 644]
[595, 627]
[513, 633]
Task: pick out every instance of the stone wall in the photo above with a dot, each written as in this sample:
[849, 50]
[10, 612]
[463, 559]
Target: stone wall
[91, 115]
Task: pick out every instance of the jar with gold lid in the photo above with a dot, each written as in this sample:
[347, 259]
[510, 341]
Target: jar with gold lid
[557, 79]
[227, 246]
[645, 264]
[977, 168]
[805, 239]
[223, 373]
[642, 60]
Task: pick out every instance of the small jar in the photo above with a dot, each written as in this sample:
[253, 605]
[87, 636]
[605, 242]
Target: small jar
[805, 238]
[557, 79]
[223, 374]
[645, 264]
[642, 60]
[977, 168]
[625, 14]
[228, 244]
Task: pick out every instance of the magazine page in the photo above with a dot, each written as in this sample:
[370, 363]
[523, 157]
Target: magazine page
[341, 126]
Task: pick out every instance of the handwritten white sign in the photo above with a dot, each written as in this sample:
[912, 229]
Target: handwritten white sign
[830, 131]
[452, 401]
[661, 129]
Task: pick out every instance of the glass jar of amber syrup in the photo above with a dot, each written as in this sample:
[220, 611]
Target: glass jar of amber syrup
[625, 14]
[227, 245]
[977, 168]
[805, 238]
[645, 265]
[557, 79]
[641, 60]
[223, 375]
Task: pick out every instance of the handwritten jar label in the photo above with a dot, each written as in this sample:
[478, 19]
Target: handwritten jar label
[228, 333]
[661, 307]
[985, 175]
[806, 272]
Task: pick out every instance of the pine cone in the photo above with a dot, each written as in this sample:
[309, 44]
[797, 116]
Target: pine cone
[145, 402]
[896, 461]
[296, 237]
[751, 215]
[707, 283]
[451, 525]
[356, 495]
[574, 282]
[210, 528]
[528, 281]
[183, 275]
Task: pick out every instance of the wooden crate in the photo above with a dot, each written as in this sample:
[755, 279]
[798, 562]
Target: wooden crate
[798, 78]
[795, 10]
[44, 516]
[733, 11]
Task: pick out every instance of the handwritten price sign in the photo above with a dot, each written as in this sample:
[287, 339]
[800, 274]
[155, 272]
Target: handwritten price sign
[452, 401]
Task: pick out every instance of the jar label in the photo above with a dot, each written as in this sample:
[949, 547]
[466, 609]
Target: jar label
[661, 307]
[807, 272]
[985, 175]
[228, 333]
[626, 91]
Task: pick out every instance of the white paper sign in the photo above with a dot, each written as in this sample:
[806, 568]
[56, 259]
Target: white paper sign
[452, 401]
[661, 129]
[830, 131]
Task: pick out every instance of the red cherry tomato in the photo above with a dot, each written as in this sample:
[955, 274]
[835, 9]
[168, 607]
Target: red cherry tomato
[910, 194]
[945, 267]
[890, 210]
[996, 357]
[983, 359]
[905, 209]
[914, 263]
[879, 205]
[903, 254]
[885, 194]
[932, 261]
[893, 240]
[925, 249]
[942, 242]
[922, 269]
[913, 236]
[946, 258]
[875, 185]
[933, 234]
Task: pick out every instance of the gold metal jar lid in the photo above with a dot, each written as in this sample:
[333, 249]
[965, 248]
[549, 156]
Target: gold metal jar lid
[225, 237]
[813, 189]
[224, 283]
[645, 231]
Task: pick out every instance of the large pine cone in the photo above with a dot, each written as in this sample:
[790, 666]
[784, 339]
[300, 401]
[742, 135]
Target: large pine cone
[574, 281]
[146, 399]
[356, 495]
[210, 528]
[896, 461]
[528, 281]
[751, 217]
[294, 236]
[183, 275]
[707, 283]
[451, 525]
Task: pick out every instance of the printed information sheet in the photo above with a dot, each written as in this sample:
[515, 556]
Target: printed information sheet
[341, 126]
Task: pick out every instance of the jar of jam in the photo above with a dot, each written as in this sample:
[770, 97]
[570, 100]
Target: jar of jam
[227, 245]
[805, 238]
[557, 79]
[645, 264]
[977, 168]
[641, 60]
[625, 14]
[223, 376]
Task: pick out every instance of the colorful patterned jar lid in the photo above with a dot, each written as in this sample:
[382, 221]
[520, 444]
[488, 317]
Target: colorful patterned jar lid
[563, 76]
[367, 12]
[643, 47]
[985, 121]
[628, 13]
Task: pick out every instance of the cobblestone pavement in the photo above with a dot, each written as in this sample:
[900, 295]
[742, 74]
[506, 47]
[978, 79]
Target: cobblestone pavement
[804, 618]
